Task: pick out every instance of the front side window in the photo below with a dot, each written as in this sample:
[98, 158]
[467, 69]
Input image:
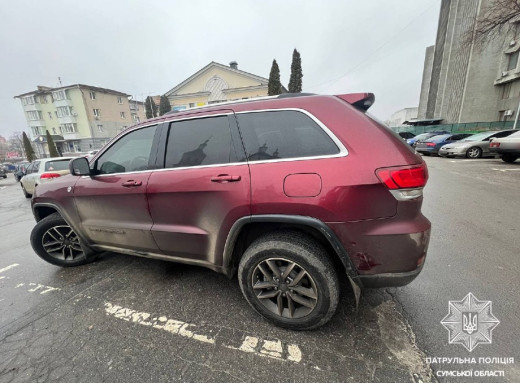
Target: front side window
[97, 113]
[199, 142]
[130, 153]
[283, 134]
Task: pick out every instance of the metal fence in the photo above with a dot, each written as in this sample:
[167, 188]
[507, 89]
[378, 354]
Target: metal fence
[468, 127]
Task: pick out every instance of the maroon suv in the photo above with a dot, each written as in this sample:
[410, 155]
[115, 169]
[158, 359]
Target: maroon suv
[291, 192]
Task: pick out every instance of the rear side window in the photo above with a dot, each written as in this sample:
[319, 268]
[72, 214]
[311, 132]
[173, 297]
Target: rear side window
[57, 165]
[283, 134]
[199, 142]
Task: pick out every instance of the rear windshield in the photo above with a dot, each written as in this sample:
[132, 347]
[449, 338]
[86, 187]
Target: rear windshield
[57, 165]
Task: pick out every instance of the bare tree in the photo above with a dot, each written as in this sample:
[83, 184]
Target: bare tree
[499, 18]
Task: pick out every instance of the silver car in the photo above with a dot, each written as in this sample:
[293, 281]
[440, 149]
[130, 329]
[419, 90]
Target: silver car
[43, 170]
[507, 147]
[475, 146]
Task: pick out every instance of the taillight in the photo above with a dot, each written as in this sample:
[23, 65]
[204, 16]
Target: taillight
[404, 177]
[50, 175]
[494, 145]
[431, 144]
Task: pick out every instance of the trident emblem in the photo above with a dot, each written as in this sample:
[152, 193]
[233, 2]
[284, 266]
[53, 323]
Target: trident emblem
[469, 322]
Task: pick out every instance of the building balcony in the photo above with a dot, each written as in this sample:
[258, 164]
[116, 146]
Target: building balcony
[65, 102]
[36, 123]
[71, 136]
[67, 119]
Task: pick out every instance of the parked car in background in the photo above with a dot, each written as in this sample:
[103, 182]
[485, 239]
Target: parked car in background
[474, 146]
[3, 172]
[406, 135]
[43, 170]
[507, 147]
[424, 136]
[20, 170]
[433, 144]
[286, 192]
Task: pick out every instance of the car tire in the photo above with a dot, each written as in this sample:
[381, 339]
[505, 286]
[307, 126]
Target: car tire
[474, 152]
[509, 158]
[289, 279]
[27, 195]
[55, 242]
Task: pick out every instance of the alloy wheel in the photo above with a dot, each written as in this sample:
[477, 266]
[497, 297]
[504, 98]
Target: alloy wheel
[61, 242]
[474, 152]
[285, 288]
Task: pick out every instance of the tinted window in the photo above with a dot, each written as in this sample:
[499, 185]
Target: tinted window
[205, 141]
[129, 154]
[439, 138]
[57, 165]
[283, 134]
[504, 134]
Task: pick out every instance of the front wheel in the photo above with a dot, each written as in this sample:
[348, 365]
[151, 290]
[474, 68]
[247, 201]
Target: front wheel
[474, 152]
[509, 158]
[289, 279]
[27, 195]
[55, 242]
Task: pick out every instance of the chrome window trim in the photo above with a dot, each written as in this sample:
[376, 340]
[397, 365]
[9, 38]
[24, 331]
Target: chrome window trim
[343, 152]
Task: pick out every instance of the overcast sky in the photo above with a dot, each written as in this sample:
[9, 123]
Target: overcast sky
[147, 47]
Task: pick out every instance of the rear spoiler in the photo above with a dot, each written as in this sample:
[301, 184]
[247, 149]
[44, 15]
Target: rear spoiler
[361, 101]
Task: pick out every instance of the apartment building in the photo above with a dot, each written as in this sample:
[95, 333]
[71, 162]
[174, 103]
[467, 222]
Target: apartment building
[79, 117]
[467, 82]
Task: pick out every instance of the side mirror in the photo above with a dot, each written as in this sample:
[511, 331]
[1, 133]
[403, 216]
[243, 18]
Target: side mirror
[79, 167]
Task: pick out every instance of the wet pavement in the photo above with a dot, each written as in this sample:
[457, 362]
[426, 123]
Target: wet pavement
[126, 319]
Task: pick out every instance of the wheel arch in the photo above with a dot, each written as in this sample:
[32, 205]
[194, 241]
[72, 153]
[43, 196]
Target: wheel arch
[247, 229]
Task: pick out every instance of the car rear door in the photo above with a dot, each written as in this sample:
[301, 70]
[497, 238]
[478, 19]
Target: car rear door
[203, 188]
[112, 204]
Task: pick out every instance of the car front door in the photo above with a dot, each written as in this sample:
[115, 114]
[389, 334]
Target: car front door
[112, 203]
[202, 190]
[30, 178]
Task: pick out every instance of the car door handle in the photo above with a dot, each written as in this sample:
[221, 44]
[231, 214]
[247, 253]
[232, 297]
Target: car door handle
[132, 183]
[222, 178]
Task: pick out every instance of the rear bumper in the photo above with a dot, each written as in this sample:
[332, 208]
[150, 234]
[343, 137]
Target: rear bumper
[390, 279]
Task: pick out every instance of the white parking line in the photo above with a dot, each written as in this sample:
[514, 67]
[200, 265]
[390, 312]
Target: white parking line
[274, 349]
[9, 267]
[506, 170]
[37, 286]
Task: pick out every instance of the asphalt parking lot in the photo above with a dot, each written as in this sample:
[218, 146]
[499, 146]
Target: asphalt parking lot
[125, 319]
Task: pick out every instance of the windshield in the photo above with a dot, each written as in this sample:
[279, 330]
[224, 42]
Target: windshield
[57, 165]
[478, 136]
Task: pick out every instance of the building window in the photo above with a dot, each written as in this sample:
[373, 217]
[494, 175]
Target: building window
[135, 117]
[35, 131]
[59, 95]
[100, 128]
[43, 99]
[96, 112]
[122, 114]
[54, 131]
[68, 128]
[76, 146]
[29, 100]
[50, 115]
[513, 61]
[34, 115]
[120, 100]
[192, 105]
[64, 111]
[92, 95]
[506, 90]
[501, 115]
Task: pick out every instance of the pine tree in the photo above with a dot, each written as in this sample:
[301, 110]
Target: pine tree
[29, 151]
[274, 86]
[150, 107]
[164, 105]
[295, 81]
[52, 147]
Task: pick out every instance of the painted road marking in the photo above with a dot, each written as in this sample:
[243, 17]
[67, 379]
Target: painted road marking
[38, 286]
[275, 349]
[506, 170]
[9, 267]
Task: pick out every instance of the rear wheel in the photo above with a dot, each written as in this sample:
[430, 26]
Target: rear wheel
[55, 242]
[474, 152]
[289, 279]
[509, 158]
[27, 195]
